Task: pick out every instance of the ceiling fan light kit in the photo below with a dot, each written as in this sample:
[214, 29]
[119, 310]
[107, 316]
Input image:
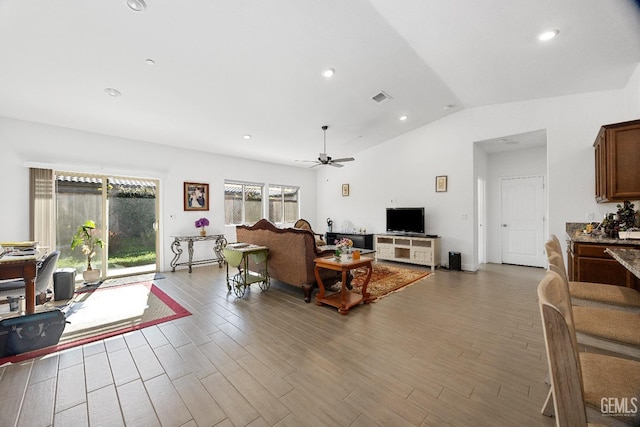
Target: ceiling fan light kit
[324, 159]
[136, 5]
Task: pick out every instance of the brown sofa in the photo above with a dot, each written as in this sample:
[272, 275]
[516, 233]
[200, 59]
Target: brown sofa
[291, 253]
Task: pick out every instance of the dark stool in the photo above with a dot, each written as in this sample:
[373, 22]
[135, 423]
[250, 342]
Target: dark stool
[64, 283]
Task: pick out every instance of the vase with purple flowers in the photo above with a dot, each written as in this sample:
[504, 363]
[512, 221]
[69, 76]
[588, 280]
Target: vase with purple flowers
[201, 224]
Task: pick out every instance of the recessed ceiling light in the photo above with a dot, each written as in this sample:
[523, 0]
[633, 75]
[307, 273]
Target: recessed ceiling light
[113, 92]
[246, 136]
[136, 5]
[548, 35]
[150, 62]
[328, 73]
[403, 118]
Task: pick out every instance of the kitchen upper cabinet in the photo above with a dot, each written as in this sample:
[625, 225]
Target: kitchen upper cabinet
[617, 155]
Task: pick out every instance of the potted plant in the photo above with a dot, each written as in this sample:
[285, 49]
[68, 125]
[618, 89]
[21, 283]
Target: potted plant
[626, 215]
[85, 238]
[343, 249]
[201, 224]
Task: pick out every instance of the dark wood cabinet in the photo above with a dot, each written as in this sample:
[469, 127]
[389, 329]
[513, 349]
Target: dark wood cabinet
[588, 262]
[363, 241]
[617, 156]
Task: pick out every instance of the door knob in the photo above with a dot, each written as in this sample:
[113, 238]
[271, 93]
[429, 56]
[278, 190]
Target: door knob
[504, 225]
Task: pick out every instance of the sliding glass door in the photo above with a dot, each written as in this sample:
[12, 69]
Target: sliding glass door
[132, 238]
[77, 199]
[125, 211]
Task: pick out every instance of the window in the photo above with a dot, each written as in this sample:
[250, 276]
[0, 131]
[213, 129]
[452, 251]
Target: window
[283, 204]
[242, 202]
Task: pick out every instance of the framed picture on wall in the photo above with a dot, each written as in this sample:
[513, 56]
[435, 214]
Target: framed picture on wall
[196, 196]
[345, 189]
[441, 183]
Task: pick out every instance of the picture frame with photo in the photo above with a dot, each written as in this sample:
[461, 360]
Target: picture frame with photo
[196, 196]
[441, 184]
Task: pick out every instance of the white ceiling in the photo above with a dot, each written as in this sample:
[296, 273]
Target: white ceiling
[522, 141]
[228, 68]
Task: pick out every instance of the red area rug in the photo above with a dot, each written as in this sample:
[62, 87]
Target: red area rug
[98, 313]
[386, 279]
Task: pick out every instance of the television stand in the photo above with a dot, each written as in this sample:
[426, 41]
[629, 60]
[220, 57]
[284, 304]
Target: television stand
[412, 249]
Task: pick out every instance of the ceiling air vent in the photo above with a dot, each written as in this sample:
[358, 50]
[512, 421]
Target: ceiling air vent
[381, 97]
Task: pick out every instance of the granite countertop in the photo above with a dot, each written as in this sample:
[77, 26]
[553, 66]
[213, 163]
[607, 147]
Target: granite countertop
[575, 234]
[630, 258]
[586, 238]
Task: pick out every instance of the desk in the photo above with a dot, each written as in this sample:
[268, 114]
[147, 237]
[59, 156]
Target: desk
[23, 267]
[344, 299]
[629, 258]
[237, 255]
[219, 242]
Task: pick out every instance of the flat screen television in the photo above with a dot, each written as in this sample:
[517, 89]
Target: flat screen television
[405, 220]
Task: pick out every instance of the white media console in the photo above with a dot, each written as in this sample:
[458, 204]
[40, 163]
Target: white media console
[415, 250]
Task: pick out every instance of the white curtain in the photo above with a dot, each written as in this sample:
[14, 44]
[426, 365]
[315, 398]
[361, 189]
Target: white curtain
[42, 208]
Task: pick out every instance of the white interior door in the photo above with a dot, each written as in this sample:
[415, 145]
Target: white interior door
[522, 220]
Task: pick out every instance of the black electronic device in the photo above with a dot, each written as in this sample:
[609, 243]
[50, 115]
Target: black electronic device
[455, 261]
[405, 221]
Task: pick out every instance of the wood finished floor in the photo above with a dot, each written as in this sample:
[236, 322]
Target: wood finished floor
[455, 349]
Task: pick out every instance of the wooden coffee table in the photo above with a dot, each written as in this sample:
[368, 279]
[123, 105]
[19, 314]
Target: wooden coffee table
[344, 299]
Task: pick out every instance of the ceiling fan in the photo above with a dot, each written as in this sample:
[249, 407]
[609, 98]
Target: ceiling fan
[323, 159]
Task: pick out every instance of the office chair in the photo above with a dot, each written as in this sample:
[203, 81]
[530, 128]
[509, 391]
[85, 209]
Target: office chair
[44, 277]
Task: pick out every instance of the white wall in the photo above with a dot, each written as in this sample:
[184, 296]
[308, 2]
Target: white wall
[402, 171]
[632, 93]
[73, 150]
[399, 172]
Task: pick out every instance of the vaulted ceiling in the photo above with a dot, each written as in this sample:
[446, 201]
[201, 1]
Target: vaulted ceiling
[203, 74]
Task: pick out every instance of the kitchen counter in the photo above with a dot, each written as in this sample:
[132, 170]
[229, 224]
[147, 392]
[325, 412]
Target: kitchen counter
[587, 238]
[575, 234]
[630, 258]
[590, 258]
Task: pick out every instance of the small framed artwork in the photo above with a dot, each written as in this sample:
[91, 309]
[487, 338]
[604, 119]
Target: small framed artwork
[345, 189]
[441, 183]
[196, 196]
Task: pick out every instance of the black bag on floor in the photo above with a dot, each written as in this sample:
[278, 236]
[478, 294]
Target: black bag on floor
[30, 332]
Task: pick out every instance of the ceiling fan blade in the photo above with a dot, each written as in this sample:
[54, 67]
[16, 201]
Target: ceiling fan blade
[323, 158]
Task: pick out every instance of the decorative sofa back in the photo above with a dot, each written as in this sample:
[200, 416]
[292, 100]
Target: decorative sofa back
[291, 253]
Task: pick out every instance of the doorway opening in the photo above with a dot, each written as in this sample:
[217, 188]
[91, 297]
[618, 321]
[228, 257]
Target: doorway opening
[482, 237]
[125, 211]
[495, 159]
